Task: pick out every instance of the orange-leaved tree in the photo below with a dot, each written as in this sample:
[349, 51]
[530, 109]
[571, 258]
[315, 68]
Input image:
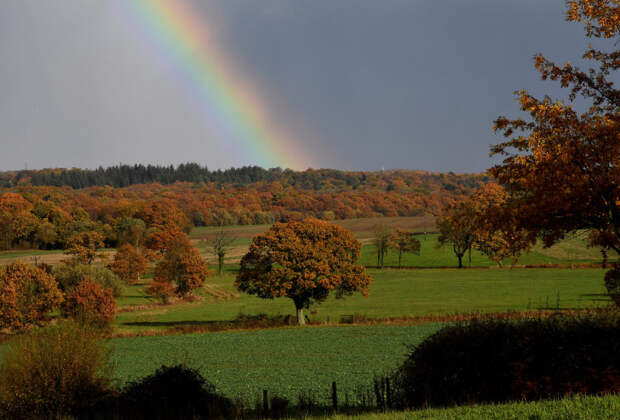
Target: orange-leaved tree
[304, 261]
[497, 234]
[181, 265]
[27, 295]
[404, 241]
[562, 166]
[84, 247]
[129, 264]
[90, 302]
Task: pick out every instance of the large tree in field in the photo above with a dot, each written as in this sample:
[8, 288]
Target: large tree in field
[221, 242]
[562, 166]
[304, 261]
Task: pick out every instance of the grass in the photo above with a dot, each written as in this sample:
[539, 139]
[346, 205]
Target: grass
[284, 361]
[570, 408]
[570, 251]
[394, 293]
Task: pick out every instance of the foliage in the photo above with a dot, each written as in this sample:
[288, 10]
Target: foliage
[497, 361]
[174, 392]
[91, 303]
[457, 227]
[181, 265]
[161, 290]
[381, 241]
[404, 241]
[53, 372]
[562, 166]
[27, 295]
[69, 275]
[84, 246]
[303, 261]
[129, 264]
[47, 216]
[497, 234]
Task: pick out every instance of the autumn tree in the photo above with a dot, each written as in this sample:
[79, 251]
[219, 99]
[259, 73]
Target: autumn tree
[497, 233]
[404, 241]
[131, 231]
[221, 243]
[91, 303]
[17, 223]
[84, 247]
[561, 166]
[457, 227]
[304, 261]
[182, 266]
[128, 264]
[27, 295]
[381, 241]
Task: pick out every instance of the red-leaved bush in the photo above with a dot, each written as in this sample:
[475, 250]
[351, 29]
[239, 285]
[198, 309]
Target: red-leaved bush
[91, 303]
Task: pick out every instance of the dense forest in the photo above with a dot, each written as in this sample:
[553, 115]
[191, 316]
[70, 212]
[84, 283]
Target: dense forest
[126, 175]
[46, 216]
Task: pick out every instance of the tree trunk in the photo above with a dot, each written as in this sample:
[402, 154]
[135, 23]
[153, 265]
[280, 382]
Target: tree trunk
[220, 264]
[460, 257]
[400, 255]
[301, 319]
[470, 256]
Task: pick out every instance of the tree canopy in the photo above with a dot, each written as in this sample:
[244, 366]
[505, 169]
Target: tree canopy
[561, 166]
[304, 261]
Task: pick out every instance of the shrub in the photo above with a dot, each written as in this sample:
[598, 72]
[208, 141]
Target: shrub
[175, 392]
[27, 294]
[69, 275]
[53, 372]
[90, 303]
[161, 290]
[497, 361]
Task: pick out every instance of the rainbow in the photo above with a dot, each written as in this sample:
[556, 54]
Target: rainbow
[231, 104]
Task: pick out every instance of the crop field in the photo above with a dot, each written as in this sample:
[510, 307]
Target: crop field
[286, 361]
[394, 293]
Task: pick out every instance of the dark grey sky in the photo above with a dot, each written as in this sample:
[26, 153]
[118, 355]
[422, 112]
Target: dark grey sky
[364, 84]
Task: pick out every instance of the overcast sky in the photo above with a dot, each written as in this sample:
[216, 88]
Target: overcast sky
[364, 84]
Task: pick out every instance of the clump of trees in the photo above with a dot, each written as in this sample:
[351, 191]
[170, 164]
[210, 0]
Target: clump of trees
[304, 261]
[487, 223]
[27, 295]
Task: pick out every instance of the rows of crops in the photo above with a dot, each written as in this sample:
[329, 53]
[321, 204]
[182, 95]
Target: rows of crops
[286, 362]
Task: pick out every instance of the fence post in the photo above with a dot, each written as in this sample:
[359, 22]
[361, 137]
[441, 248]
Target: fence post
[334, 396]
[265, 402]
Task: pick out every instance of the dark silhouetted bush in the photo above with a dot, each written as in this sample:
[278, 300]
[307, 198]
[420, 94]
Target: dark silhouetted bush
[174, 392]
[497, 361]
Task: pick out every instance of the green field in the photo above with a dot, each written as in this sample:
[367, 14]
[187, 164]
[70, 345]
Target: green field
[569, 251]
[571, 408]
[394, 293]
[284, 361]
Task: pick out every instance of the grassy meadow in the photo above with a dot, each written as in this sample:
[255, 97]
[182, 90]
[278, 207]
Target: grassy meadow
[572, 408]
